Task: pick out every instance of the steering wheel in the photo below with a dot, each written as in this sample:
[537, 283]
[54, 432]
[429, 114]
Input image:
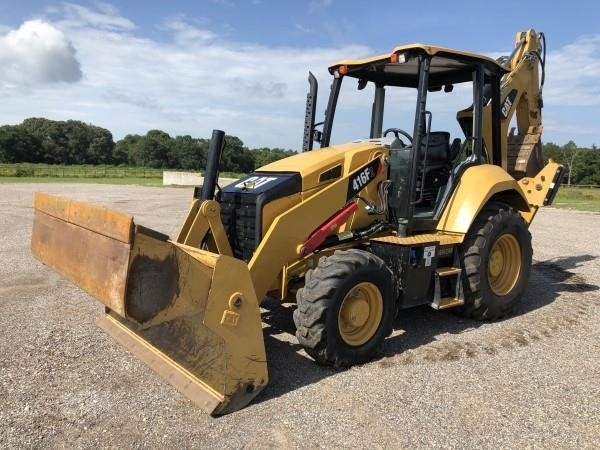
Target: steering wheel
[397, 132]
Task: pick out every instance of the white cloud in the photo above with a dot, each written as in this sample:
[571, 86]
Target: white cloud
[106, 17]
[37, 53]
[195, 80]
[302, 28]
[226, 3]
[319, 5]
[572, 129]
[573, 74]
[184, 33]
[188, 84]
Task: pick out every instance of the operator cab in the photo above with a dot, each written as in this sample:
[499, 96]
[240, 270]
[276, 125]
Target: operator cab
[416, 92]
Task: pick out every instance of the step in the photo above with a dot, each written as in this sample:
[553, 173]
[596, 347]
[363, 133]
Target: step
[447, 271]
[447, 302]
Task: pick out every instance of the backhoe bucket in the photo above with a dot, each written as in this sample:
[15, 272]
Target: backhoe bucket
[190, 315]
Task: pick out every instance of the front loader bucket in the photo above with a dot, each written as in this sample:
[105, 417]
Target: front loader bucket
[190, 315]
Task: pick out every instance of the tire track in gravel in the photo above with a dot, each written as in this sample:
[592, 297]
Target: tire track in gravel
[556, 301]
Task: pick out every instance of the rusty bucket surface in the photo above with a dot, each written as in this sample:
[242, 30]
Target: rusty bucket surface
[190, 315]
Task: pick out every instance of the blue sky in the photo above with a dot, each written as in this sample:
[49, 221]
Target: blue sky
[187, 67]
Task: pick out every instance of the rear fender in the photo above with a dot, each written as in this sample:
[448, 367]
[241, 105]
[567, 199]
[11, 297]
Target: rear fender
[477, 186]
[481, 184]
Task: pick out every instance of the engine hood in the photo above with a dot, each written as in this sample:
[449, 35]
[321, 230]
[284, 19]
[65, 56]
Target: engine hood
[322, 166]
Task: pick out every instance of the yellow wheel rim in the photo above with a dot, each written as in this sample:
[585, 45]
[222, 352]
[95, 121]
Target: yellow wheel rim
[360, 314]
[504, 264]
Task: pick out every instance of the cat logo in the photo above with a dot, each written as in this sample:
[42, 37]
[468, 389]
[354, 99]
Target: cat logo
[508, 102]
[254, 182]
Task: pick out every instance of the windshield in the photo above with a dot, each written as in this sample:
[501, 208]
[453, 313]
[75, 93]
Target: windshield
[355, 108]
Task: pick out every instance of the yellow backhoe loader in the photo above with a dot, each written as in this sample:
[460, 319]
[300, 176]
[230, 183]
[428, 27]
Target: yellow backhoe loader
[353, 233]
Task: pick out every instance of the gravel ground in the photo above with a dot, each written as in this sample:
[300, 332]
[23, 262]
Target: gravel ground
[532, 380]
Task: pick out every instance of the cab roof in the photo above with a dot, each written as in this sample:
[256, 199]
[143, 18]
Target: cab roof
[447, 66]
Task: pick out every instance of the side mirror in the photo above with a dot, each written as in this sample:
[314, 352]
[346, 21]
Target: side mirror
[317, 136]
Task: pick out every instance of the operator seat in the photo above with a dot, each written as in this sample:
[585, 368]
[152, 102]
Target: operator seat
[434, 169]
[438, 151]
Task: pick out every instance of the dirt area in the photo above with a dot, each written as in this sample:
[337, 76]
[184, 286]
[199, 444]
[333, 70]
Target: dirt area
[531, 380]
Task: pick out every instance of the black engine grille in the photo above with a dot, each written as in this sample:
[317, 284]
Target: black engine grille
[238, 213]
[242, 204]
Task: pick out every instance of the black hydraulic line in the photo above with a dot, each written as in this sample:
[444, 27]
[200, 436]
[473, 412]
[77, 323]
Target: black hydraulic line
[356, 235]
[542, 59]
[478, 81]
[372, 229]
[496, 144]
[330, 111]
[211, 176]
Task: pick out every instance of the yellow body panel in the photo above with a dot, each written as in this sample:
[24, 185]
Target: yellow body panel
[280, 245]
[479, 183]
[434, 50]
[202, 217]
[476, 186]
[310, 165]
[417, 239]
[429, 49]
[277, 207]
[537, 189]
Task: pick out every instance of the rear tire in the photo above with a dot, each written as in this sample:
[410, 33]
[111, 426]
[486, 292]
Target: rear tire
[496, 257]
[345, 309]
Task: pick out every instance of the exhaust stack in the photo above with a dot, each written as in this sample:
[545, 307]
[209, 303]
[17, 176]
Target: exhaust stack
[211, 175]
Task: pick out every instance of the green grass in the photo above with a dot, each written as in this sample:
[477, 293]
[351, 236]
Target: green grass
[581, 199]
[106, 180]
[47, 173]
[76, 171]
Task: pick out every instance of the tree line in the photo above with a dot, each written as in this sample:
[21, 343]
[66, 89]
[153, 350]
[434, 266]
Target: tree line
[582, 164]
[39, 140]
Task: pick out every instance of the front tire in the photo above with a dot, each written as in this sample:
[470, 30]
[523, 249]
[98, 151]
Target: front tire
[345, 309]
[496, 257]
